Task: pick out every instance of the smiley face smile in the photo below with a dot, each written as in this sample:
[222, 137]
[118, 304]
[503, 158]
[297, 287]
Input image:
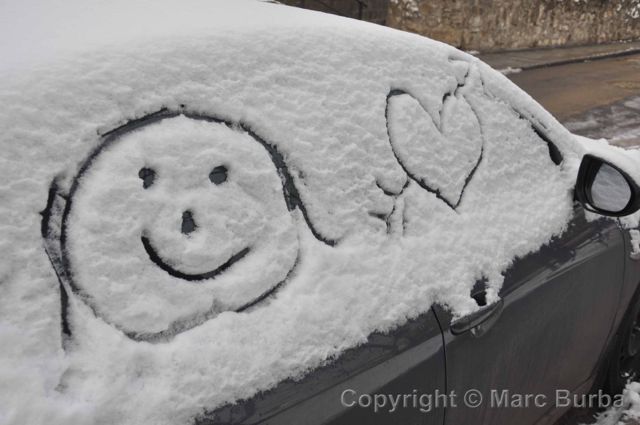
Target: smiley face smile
[160, 262]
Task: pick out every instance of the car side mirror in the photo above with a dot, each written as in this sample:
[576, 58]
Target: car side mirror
[605, 189]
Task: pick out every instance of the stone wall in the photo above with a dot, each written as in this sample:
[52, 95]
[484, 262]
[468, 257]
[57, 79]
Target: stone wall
[488, 25]
[369, 10]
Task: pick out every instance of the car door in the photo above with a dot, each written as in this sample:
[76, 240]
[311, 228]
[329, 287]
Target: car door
[547, 333]
[405, 364]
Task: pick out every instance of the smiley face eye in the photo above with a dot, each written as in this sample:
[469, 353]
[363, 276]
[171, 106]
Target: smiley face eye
[148, 176]
[218, 175]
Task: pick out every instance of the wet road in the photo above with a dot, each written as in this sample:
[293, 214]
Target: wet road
[595, 99]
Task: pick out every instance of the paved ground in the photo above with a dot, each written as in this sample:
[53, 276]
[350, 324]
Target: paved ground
[535, 58]
[600, 98]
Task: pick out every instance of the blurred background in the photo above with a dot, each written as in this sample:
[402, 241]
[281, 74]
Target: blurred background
[579, 58]
[490, 25]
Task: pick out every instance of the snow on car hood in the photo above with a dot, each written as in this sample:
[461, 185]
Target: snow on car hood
[201, 199]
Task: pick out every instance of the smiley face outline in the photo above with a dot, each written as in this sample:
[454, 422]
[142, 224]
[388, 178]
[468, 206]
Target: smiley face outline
[59, 205]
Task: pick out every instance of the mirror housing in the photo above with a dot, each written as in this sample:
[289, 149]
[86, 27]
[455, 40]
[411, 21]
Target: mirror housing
[605, 189]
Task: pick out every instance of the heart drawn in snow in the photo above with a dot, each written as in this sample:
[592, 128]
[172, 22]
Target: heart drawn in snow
[440, 154]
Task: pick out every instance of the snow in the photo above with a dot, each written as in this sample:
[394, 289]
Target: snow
[410, 7]
[633, 10]
[628, 413]
[635, 243]
[509, 70]
[304, 110]
[616, 122]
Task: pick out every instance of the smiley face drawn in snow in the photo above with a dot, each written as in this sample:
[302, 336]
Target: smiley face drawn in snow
[173, 222]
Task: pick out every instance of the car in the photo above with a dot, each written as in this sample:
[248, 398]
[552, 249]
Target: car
[239, 212]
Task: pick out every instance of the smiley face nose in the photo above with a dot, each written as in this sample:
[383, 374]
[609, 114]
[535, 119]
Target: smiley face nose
[188, 223]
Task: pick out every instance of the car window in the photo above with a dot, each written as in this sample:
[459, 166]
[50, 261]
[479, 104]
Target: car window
[225, 210]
